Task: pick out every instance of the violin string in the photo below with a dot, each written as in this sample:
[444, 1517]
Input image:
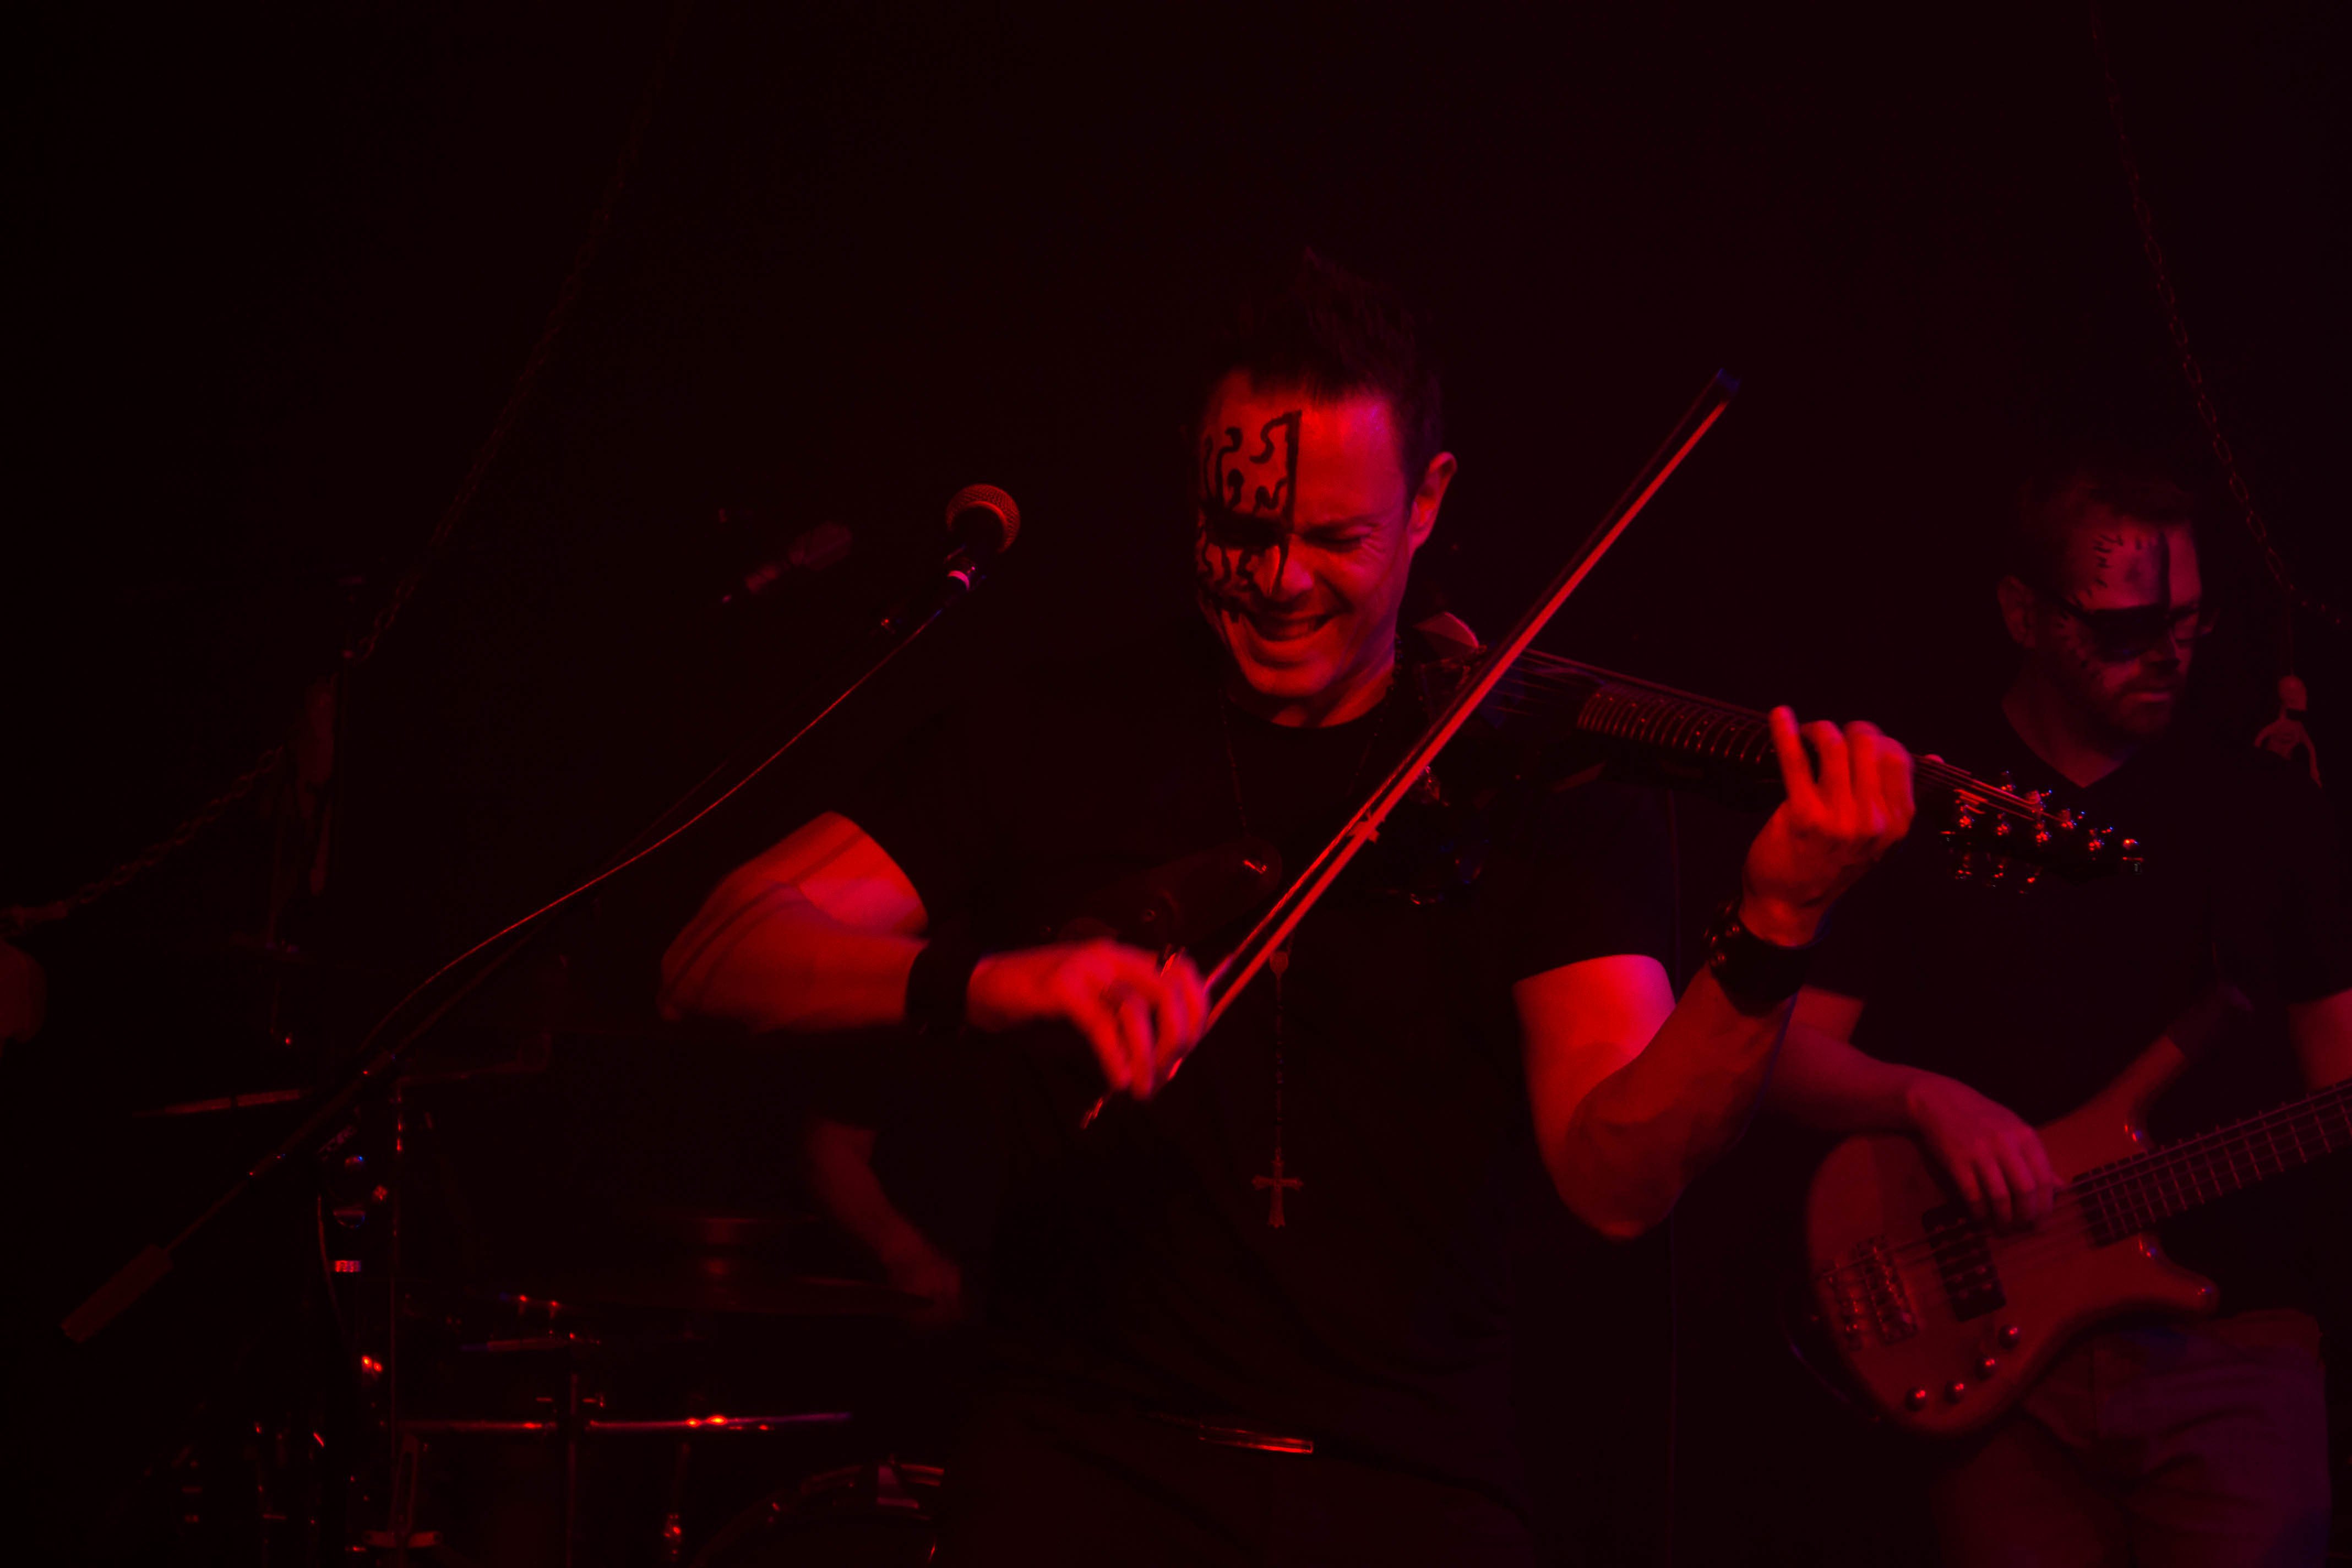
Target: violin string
[1551, 674]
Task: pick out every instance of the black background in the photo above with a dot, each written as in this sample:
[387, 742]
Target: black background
[275, 272]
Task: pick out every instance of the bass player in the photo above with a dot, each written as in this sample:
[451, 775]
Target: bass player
[1963, 1013]
[1255, 1312]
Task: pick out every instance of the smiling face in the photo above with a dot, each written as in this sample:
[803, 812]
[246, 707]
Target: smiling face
[1305, 531]
[2118, 633]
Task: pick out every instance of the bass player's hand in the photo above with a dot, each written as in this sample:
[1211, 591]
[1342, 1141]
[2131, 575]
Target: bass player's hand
[1836, 823]
[1139, 1018]
[1992, 1156]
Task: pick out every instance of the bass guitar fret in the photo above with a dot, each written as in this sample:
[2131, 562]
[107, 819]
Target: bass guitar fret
[2151, 1188]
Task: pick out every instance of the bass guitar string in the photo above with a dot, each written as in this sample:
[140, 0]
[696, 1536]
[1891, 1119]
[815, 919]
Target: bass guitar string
[2146, 1171]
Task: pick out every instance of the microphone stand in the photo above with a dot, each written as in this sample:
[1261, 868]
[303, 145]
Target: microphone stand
[963, 573]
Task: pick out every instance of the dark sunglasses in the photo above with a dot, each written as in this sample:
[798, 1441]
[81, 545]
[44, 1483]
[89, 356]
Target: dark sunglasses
[2117, 637]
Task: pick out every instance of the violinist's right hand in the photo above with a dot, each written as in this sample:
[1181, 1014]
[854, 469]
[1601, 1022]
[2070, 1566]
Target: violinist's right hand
[1139, 1018]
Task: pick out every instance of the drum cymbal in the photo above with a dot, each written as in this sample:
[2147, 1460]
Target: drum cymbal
[681, 1230]
[702, 1285]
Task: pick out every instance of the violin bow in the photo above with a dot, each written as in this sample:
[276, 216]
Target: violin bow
[1242, 965]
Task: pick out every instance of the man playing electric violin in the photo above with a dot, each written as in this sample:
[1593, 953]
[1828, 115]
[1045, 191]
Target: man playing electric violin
[1256, 1311]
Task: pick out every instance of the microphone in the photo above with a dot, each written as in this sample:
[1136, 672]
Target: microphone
[808, 551]
[982, 524]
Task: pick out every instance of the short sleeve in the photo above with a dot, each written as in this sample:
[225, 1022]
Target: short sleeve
[1592, 876]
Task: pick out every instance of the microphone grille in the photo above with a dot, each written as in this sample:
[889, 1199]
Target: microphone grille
[990, 499]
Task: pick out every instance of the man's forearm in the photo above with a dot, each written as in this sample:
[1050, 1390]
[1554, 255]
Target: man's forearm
[1822, 1082]
[841, 1172]
[2321, 1033]
[1645, 1132]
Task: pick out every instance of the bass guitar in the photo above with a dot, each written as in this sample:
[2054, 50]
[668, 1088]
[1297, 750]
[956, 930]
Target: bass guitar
[1943, 1320]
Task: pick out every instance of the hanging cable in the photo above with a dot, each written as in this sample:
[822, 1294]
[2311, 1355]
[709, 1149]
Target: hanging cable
[18, 918]
[2285, 735]
[2191, 371]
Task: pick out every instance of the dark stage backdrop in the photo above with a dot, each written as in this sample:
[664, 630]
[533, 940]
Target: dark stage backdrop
[275, 270]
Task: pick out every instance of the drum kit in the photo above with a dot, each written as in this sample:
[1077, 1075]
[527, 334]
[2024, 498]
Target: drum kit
[550, 1373]
[548, 1350]
[604, 1422]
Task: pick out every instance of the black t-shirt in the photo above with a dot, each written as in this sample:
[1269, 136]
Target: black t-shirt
[935, 1160]
[2038, 998]
[1135, 1257]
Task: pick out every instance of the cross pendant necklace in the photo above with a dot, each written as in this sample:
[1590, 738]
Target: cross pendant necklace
[1275, 1184]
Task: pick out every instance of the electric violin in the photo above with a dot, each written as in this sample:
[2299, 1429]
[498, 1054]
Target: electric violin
[1543, 708]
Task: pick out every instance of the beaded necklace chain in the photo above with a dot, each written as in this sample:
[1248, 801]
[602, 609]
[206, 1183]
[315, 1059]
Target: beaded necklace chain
[1276, 1182]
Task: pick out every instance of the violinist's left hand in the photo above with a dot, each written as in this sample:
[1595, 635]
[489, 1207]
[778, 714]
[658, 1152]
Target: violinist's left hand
[1833, 827]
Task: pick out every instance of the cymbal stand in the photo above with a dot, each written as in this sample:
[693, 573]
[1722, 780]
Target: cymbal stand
[378, 1067]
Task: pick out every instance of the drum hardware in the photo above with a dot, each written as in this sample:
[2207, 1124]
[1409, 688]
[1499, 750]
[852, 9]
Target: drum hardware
[566, 1341]
[359, 1223]
[400, 1535]
[574, 1426]
[869, 1514]
[703, 1426]
[249, 1100]
[732, 1291]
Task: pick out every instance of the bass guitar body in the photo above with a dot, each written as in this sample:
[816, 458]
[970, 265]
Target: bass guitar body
[1944, 1322]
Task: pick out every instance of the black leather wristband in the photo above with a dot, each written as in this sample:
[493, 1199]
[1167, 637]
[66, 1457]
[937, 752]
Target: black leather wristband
[936, 984]
[1755, 975]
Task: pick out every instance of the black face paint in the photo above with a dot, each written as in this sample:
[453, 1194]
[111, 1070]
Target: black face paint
[2102, 552]
[2122, 635]
[2119, 636]
[1247, 499]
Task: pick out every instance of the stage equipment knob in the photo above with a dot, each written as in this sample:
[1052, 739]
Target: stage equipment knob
[1987, 1367]
[1955, 1391]
[1915, 1400]
[2009, 1334]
